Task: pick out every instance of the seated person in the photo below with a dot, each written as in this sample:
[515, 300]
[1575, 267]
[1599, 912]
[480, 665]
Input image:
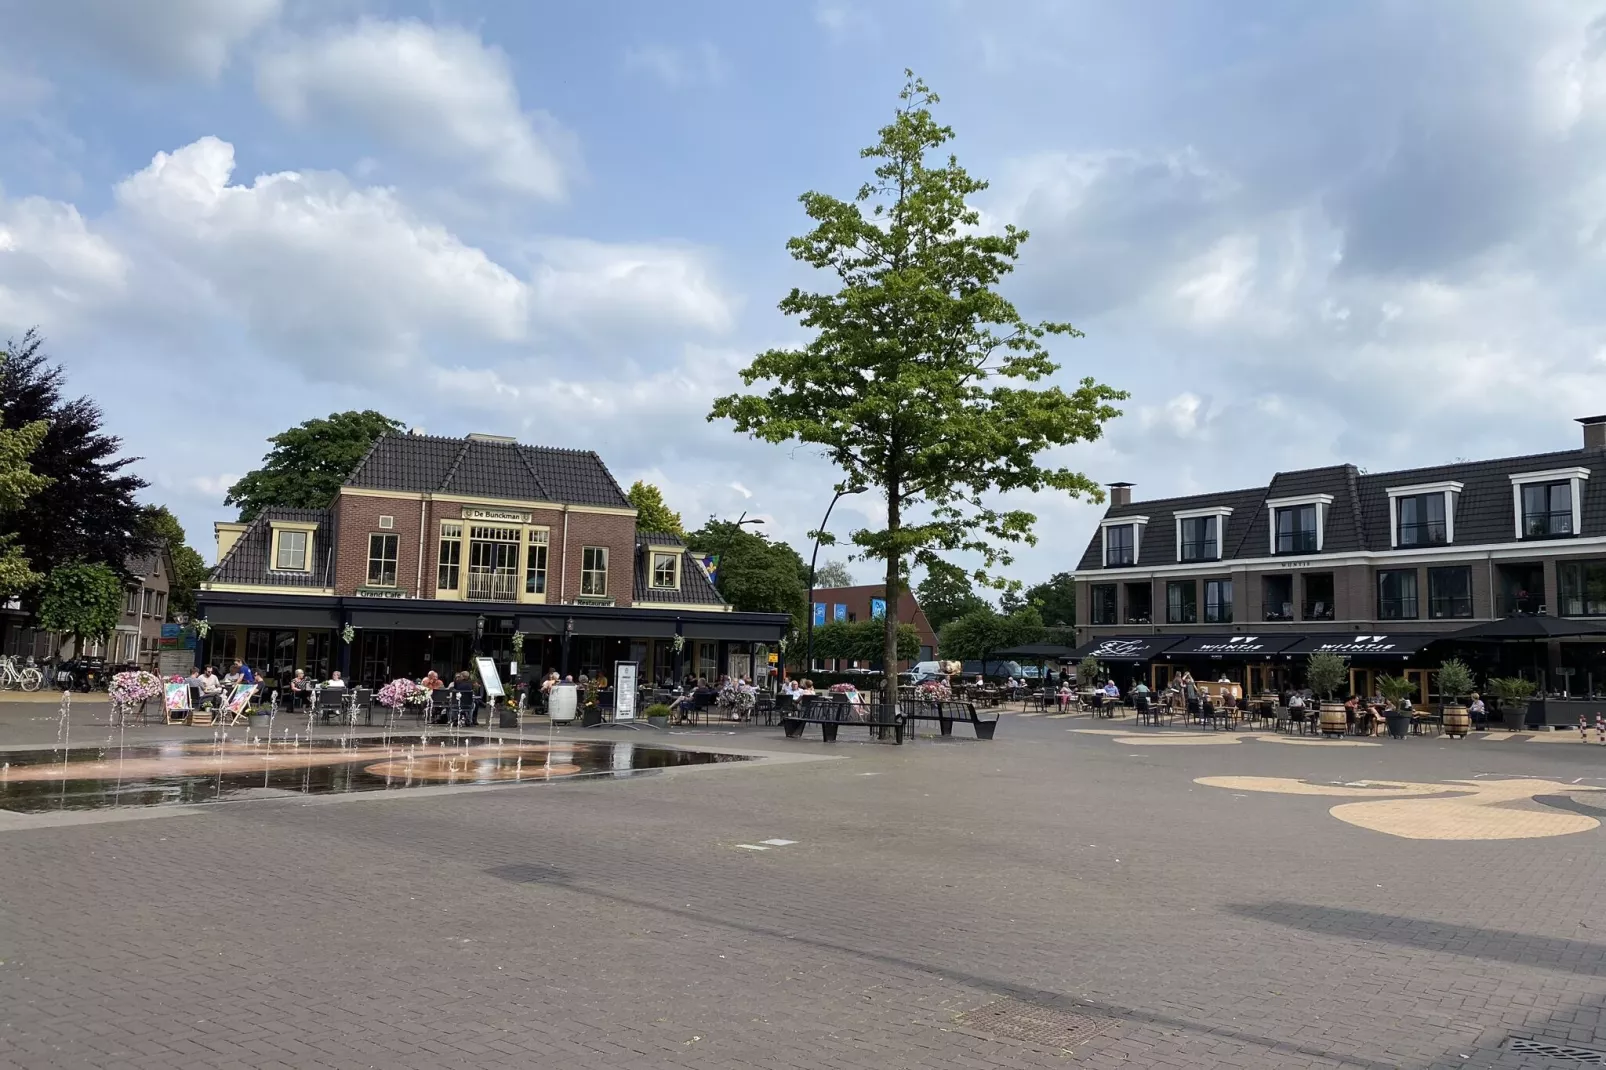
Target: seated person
[300, 688]
[210, 684]
[463, 685]
[1477, 712]
[1141, 688]
[1110, 690]
[335, 680]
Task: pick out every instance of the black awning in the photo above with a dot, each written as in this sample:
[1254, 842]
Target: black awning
[743, 631]
[1364, 644]
[224, 615]
[1127, 648]
[1233, 647]
[394, 619]
[624, 628]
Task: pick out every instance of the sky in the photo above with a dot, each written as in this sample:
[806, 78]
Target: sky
[1297, 234]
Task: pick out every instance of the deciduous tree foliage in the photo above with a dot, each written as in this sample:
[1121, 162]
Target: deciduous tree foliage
[947, 593]
[860, 640]
[833, 574]
[88, 511]
[18, 483]
[82, 600]
[651, 512]
[756, 575]
[920, 380]
[189, 568]
[984, 632]
[309, 462]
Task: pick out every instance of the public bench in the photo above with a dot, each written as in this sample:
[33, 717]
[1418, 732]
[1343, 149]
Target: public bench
[984, 722]
[831, 716]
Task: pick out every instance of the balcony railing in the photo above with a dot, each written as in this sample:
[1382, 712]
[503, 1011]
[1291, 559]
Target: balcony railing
[1317, 610]
[486, 586]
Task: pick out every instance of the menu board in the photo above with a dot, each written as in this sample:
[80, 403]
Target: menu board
[489, 677]
[624, 691]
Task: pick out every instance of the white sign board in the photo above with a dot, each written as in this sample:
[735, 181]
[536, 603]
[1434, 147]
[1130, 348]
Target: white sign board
[489, 677]
[624, 691]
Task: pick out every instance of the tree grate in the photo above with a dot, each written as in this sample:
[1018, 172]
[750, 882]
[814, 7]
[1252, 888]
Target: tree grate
[1033, 1023]
[1530, 1046]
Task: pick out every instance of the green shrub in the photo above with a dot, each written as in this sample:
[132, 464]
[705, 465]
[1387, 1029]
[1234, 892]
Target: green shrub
[1455, 680]
[657, 709]
[1326, 673]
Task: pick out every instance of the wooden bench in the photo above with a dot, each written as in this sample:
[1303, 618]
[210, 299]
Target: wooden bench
[946, 713]
[831, 716]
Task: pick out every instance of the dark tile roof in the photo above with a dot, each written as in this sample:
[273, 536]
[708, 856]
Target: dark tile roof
[1358, 519]
[247, 560]
[141, 566]
[695, 586]
[481, 468]
[658, 538]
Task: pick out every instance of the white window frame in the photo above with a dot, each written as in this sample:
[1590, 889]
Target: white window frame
[1575, 476]
[279, 528]
[1220, 512]
[1320, 501]
[603, 550]
[652, 569]
[1451, 491]
[1105, 525]
[396, 561]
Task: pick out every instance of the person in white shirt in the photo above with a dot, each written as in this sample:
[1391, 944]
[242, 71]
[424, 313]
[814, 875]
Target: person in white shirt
[209, 682]
[335, 680]
[1111, 690]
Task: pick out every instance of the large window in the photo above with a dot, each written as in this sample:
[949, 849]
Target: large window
[382, 560]
[1102, 609]
[594, 571]
[1547, 509]
[1396, 594]
[1218, 601]
[1318, 603]
[665, 571]
[493, 563]
[1450, 592]
[1181, 602]
[1140, 603]
[1421, 519]
[1199, 538]
[1278, 596]
[1583, 588]
[449, 573]
[535, 562]
[291, 552]
[1296, 529]
[1118, 545]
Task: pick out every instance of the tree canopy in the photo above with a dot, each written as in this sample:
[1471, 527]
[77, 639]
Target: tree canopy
[920, 380]
[947, 593]
[309, 462]
[860, 640]
[189, 568]
[81, 600]
[981, 633]
[651, 512]
[833, 574]
[755, 574]
[18, 483]
[89, 513]
[1054, 599]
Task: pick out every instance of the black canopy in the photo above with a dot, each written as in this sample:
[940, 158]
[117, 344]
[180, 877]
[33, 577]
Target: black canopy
[1233, 646]
[1132, 648]
[1036, 652]
[1350, 645]
[1530, 628]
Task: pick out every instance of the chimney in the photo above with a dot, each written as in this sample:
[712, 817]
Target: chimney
[1594, 432]
[1121, 493]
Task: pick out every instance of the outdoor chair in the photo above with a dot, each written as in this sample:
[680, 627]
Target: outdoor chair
[362, 702]
[330, 703]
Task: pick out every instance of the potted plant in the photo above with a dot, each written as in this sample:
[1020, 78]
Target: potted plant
[1455, 684]
[1396, 689]
[657, 715]
[590, 710]
[1087, 671]
[1326, 673]
[1513, 693]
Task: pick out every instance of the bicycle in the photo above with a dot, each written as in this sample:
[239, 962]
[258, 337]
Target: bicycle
[27, 678]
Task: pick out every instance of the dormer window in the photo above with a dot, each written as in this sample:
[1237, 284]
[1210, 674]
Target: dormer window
[290, 547]
[1201, 533]
[1297, 523]
[1422, 514]
[1122, 537]
[665, 571]
[1549, 505]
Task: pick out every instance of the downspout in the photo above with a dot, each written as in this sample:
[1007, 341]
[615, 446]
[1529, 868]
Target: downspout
[563, 573]
[423, 504]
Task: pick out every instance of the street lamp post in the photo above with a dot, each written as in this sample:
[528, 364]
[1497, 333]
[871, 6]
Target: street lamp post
[808, 655]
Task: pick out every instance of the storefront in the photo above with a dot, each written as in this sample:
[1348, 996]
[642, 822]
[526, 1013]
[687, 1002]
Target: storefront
[1128, 658]
[1369, 657]
[1250, 661]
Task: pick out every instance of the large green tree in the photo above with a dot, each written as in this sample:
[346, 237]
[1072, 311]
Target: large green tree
[82, 600]
[189, 568]
[18, 483]
[755, 574]
[947, 593]
[982, 633]
[920, 380]
[860, 640]
[1055, 599]
[833, 574]
[309, 462]
[651, 512]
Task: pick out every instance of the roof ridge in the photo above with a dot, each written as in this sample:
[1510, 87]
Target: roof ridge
[530, 468]
[360, 465]
[446, 480]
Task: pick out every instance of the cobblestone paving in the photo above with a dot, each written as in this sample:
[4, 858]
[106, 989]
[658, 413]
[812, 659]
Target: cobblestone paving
[620, 923]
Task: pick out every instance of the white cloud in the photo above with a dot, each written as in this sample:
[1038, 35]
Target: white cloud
[156, 38]
[597, 287]
[677, 67]
[840, 18]
[438, 91]
[52, 265]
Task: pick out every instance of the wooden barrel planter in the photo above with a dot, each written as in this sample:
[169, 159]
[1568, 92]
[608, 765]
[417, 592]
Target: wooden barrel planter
[1333, 722]
[1457, 722]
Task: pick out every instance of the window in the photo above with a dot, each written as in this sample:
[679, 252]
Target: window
[1318, 604]
[1396, 594]
[1278, 597]
[147, 600]
[1102, 608]
[1296, 529]
[449, 569]
[594, 571]
[382, 560]
[1218, 601]
[1547, 510]
[161, 604]
[666, 571]
[1583, 588]
[1181, 602]
[535, 562]
[1118, 545]
[131, 602]
[1450, 592]
[1199, 538]
[291, 554]
[1140, 603]
[493, 563]
[1421, 520]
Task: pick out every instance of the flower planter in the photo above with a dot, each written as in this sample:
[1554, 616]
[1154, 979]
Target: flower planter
[1398, 724]
[658, 722]
[590, 717]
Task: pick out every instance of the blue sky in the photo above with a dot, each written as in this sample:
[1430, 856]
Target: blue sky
[1298, 234]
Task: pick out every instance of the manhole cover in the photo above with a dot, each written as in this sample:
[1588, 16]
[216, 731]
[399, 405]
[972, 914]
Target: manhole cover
[1585, 1056]
[1035, 1024]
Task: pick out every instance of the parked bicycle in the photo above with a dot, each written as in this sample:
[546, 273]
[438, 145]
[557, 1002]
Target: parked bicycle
[25, 677]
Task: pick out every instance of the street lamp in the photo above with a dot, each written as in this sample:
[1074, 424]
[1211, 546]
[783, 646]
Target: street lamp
[808, 656]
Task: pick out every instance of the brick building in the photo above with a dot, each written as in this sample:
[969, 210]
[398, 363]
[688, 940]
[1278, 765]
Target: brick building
[865, 602]
[437, 549]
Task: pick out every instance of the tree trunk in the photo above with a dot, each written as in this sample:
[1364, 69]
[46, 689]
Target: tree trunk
[889, 619]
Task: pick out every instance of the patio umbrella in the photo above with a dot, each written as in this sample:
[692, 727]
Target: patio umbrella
[1535, 629]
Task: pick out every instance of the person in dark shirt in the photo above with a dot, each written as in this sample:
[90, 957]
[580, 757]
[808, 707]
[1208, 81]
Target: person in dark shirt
[467, 708]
